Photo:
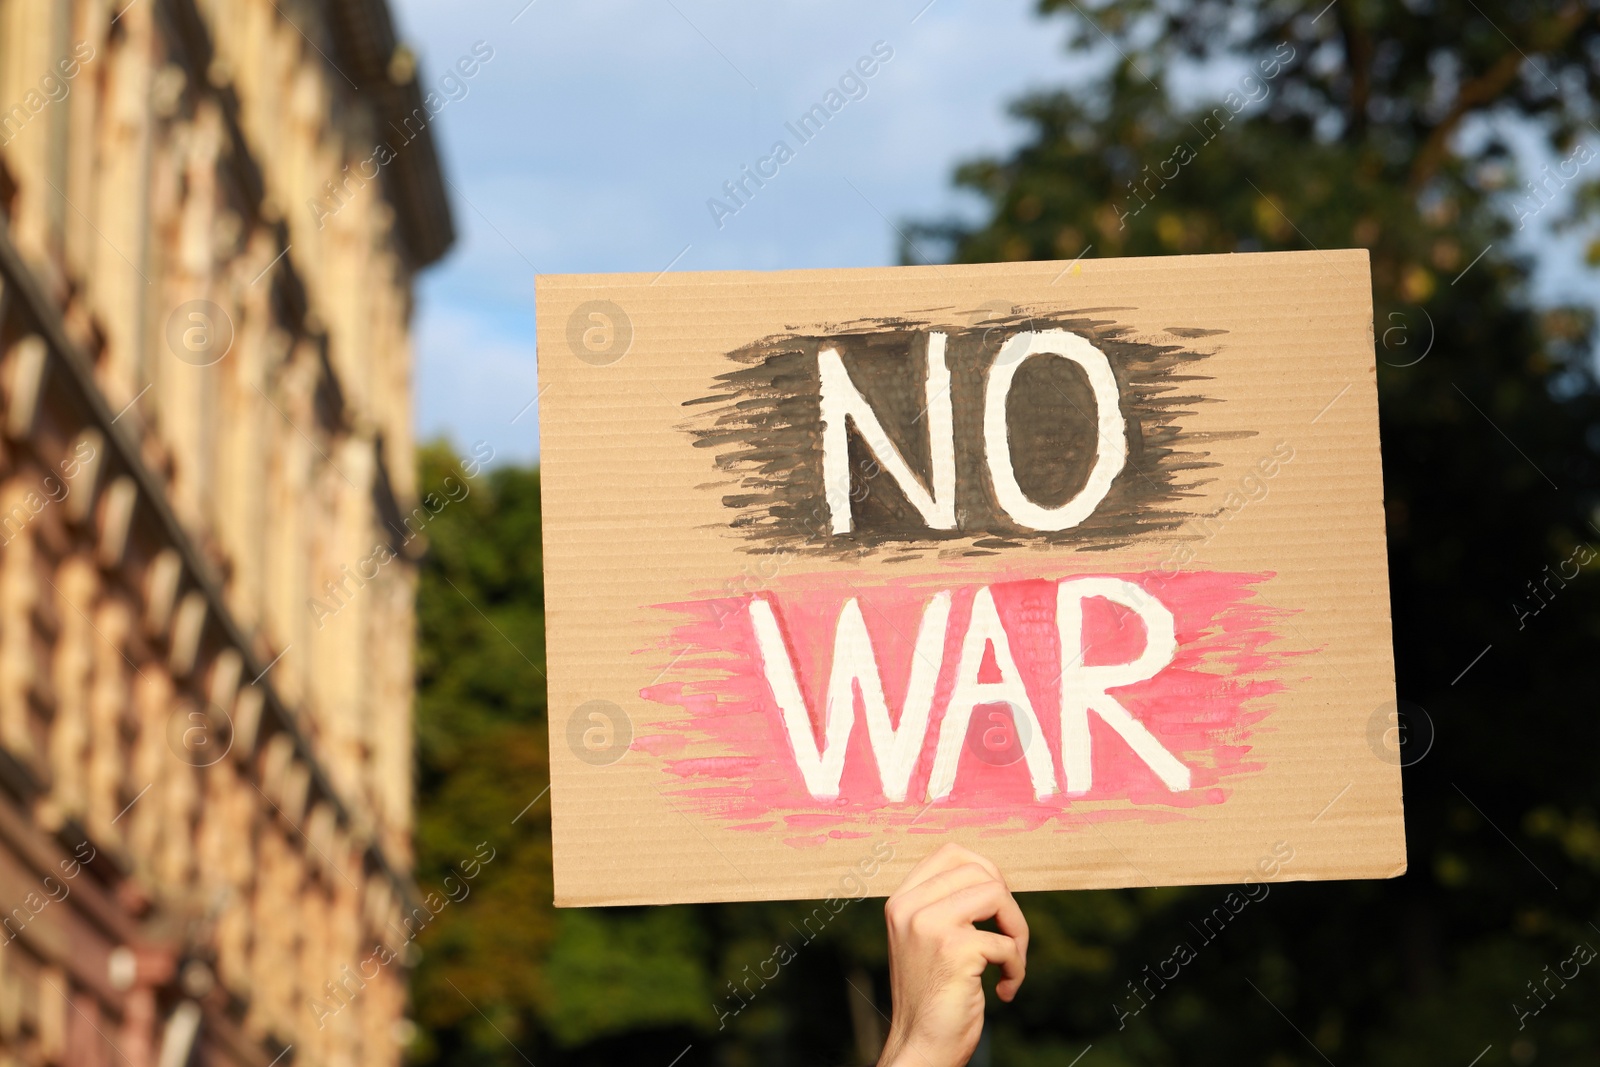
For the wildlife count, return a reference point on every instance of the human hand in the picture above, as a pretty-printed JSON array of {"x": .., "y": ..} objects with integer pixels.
[{"x": 937, "y": 956}]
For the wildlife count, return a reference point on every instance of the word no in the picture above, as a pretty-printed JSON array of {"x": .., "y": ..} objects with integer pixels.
[{"x": 842, "y": 403}]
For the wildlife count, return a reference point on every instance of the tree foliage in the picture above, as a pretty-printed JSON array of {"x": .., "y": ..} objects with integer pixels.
[
  {"x": 1389, "y": 126},
  {"x": 1393, "y": 127}
]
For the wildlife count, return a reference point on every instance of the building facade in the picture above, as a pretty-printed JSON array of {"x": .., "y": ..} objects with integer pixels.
[{"x": 205, "y": 479}]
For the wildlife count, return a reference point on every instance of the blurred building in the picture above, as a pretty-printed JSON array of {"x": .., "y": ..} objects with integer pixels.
[{"x": 205, "y": 476}]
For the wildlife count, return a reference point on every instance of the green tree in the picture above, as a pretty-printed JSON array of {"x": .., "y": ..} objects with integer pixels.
[
  {"x": 481, "y": 759},
  {"x": 1388, "y": 126}
]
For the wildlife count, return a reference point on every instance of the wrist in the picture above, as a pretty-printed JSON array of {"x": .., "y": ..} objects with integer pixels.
[
  {"x": 900, "y": 1050},
  {"x": 894, "y": 1050}
]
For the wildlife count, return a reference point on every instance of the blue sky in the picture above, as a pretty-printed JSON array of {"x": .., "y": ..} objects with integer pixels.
[{"x": 593, "y": 138}]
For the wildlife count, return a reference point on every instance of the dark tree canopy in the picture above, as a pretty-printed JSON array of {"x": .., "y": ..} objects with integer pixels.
[{"x": 1388, "y": 126}]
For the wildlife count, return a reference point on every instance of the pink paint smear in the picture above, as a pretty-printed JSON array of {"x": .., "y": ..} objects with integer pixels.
[{"x": 732, "y": 760}]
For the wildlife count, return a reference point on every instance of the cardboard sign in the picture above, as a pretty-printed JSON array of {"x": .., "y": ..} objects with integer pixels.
[{"x": 1080, "y": 565}]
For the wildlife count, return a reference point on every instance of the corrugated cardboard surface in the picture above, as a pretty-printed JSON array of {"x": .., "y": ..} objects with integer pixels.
[{"x": 634, "y": 517}]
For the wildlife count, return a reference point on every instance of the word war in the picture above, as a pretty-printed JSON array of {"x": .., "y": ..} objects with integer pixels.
[
  {"x": 1026, "y": 692},
  {"x": 1084, "y": 689}
]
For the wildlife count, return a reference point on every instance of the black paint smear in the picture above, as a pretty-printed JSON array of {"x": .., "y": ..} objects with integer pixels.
[{"x": 763, "y": 425}]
